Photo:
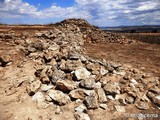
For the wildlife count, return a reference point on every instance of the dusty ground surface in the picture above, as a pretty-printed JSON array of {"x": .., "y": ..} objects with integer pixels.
[
  {"x": 17, "y": 105},
  {"x": 144, "y": 56}
]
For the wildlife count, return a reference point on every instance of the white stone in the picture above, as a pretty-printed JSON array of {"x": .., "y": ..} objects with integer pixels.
[
  {"x": 81, "y": 116},
  {"x": 134, "y": 81},
  {"x": 82, "y": 73},
  {"x": 80, "y": 108},
  {"x": 59, "y": 97},
  {"x": 103, "y": 71},
  {"x": 38, "y": 96},
  {"x": 46, "y": 87},
  {"x": 120, "y": 108}
]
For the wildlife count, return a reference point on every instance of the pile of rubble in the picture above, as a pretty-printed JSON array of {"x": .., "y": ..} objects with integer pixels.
[
  {"x": 64, "y": 75},
  {"x": 10, "y": 35},
  {"x": 93, "y": 34},
  {"x": 90, "y": 33}
]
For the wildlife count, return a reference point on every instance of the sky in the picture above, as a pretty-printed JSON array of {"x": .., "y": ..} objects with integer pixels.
[{"x": 96, "y": 12}]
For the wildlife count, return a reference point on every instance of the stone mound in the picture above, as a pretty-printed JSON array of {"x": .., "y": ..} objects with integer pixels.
[{"x": 94, "y": 34}]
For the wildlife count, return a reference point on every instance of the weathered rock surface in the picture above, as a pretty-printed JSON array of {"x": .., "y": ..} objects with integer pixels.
[
  {"x": 59, "y": 97},
  {"x": 112, "y": 88},
  {"x": 91, "y": 102},
  {"x": 88, "y": 83},
  {"x": 80, "y": 108},
  {"x": 81, "y": 116},
  {"x": 101, "y": 95},
  {"x": 82, "y": 73},
  {"x": 78, "y": 94},
  {"x": 65, "y": 85}
]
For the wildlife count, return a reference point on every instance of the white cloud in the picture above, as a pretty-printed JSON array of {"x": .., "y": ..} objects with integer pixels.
[
  {"x": 99, "y": 12},
  {"x": 148, "y": 5}
]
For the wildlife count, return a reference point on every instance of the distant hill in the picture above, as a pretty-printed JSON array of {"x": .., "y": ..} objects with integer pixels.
[{"x": 133, "y": 29}]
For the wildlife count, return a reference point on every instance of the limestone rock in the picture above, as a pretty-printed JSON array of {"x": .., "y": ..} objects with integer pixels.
[
  {"x": 103, "y": 71},
  {"x": 156, "y": 100},
  {"x": 88, "y": 83},
  {"x": 81, "y": 116},
  {"x": 103, "y": 106},
  {"x": 129, "y": 100},
  {"x": 38, "y": 96},
  {"x": 82, "y": 73},
  {"x": 40, "y": 100},
  {"x": 78, "y": 94},
  {"x": 45, "y": 87},
  {"x": 71, "y": 65},
  {"x": 58, "y": 110},
  {"x": 33, "y": 87},
  {"x": 120, "y": 108},
  {"x": 73, "y": 55},
  {"x": 80, "y": 108},
  {"x": 59, "y": 97},
  {"x": 57, "y": 75},
  {"x": 65, "y": 85},
  {"x": 112, "y": 88},
  {"x": 101, "y": 95},
  {"x": 91, "y": 102},
  {"x": 142, "y": 105}
]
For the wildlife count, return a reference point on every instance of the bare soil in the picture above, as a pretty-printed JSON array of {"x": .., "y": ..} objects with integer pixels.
[{"x": 143, "y": 56}]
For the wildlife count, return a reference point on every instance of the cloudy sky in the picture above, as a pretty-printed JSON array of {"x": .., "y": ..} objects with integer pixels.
[{"x": 97, "y": 12}]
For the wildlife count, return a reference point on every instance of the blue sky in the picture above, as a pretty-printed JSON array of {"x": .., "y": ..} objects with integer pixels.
[{"x": 97, "y": 12}]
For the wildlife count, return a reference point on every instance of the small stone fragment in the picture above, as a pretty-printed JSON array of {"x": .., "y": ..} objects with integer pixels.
[
  {"x": 103, "y": 71},
  {"x": 129, "y": 100},
  {"x": 81, "y": 116},
  {"x": 91, "y": 102},
  {"x": 80, "y": 108},
  {"x": 58, "y": 110},
  {"x": 120, "y": 108},
  {"x": 142, "y": 105},
  {"x": 103, "y": 106},
  {"x": 34, "y": 86},
  {"x": 46, "y": 87},
  {"x": 38, "y": 96},
  {"x": 101, "y": 95}
]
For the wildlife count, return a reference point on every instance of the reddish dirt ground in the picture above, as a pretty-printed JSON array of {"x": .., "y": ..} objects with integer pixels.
[{"x": 140, "y": 55}]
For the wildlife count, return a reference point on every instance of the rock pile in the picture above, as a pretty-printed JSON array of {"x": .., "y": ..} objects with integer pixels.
[
  {"x": 90, "y": 33},
  {"x": 64, "y": 75},
  {"x": 11, "y": 35},
  {"x": 7, "y": 35},
  {"x": 94, "y": 34}
]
